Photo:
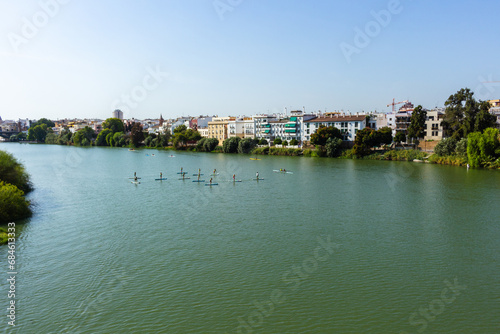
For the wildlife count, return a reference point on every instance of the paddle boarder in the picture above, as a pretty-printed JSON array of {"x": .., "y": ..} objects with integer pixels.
[
  {"x": 257, "y": 175},
  {"x": 234, "y": 177}
]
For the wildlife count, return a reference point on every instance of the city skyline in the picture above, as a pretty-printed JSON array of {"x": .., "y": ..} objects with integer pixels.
[{"x": 68, "y": 59}]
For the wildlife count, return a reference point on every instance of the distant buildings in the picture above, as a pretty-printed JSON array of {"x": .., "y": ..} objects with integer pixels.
[{"x": 118, "y": 114}]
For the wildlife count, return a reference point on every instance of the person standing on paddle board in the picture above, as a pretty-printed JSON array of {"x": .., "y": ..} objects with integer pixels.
[
  {"x": 161, "y": 175},
  {"x": 257, "y": 175},
  {"x": 234, "y": 177}
]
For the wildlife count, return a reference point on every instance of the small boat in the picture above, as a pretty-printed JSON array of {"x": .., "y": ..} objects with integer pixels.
[
  {"x": 254, "y": 159},
  {"x": 131, "y": 150},
  {"x": 162, "y": 179},
  {"x": 282, "y": 171}
]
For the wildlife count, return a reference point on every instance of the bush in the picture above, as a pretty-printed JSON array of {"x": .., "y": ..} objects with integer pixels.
[
  {"x": 261, "y": 150},
  {"x": 11, "y": 171},
  {"x": 230, "y": 145},
  {"x": 284, "y": 143},
  {"x": 333, "y": 147},
  {"x": 446, "y": 147},
  {"x": 294, "y": 142},
  {"x": 246, "y": 145},
  {"x": 13, "y": 205},
  {"x": 277, "y": 141},
  {"x": 263, "y": 141},
  {"x": 461, "y": 147},
  {"x": 51, "y": 138}
]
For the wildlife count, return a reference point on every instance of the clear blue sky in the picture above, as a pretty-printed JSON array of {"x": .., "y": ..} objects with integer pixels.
[{"x": 251, "y": 56}]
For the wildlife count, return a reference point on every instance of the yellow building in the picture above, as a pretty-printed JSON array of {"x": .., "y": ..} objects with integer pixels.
[
  {"x": 217, "y": 128},
  {"x": 494, "y": 103}
]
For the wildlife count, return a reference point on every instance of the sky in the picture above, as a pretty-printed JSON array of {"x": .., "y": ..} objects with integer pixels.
[{"x": 85, "y": 58}]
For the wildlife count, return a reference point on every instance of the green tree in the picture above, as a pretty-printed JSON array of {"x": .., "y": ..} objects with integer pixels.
[
  {"x": 294, "y": 142},
  {"x": 13, "y": 172},
  {"x": 473, "y": 149},
  {"x": 333, "y": 147},
  {"x": 114, "y": 124},
  {"x": 465, "y": 115},
  {"x": 400, "y": 137},
  {"x": 13, "y": 204},
  {"x": 277, "y": 141},
  {"x": 446, "y": 147},
  {"x": 65, "y": 137},
  {"x": 101, "y": 137},
  {"x": 246, "y": 145},
  {"x": 180, "y": 128},
  {"x": 45, "y": 121},
  {"x": 210, "y": 144},
  {"x": 136, "y": 134},
  {"x": 323, "y": 133},
  {"x": 83, "y": 137},
  {"x": 364, "y": 141},
  {"x": 263, "y": 141},
  {"x": 461, "y": 147},
  {"x": 385, "y": 134},
  {"x": 284, "y": 143},
  {"x": 416, "y": 130},
  {"x": 38, "y": 133},
  {"x": 118, "y": 139},
  {"x": 230, "y": 145},
  {"x": 51, "y": 138}
]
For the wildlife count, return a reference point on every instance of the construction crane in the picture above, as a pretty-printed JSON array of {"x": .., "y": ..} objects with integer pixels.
[{"x": 394, "y": 104}]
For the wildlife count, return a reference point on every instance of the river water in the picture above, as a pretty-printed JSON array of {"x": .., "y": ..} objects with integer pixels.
[{"x": 339, "y": 246}]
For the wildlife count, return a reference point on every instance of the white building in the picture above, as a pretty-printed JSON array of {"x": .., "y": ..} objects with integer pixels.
[
  {"x": 433, "y": 128},
  {"x": 241, "y": 127},
  {"x": 349, "y": 125}
]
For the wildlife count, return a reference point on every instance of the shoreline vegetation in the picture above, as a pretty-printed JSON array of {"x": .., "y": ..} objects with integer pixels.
[
  {"x": 14, "y": 185},
  {"x": 472, "y": 138}
]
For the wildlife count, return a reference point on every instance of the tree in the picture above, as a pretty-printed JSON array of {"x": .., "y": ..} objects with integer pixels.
[
  {"x": 13, "y": 172},
  {"x": 246, "y": 145},
  {"x": 38, "y": 133},
  {"x": 65, "y": 137},
  {"x": 263, "y": 141},
  {"x": 483, "y": 148},
  {"x": 114, "y": 124},
  {"x": 465, "y": 115},
  {"x": 13, "y": 204},
  {"x": 385, "y": 135},
  {"x": 51, "y": 138},
  {"x": 284, "y": 143},
  {"x": 230, "y": 145},
  {"x": 83, "y": 137},
  {"x": 294, "y": 142},
  {"x": 416, "y": 129},
  {"x": 446, "y": 147},
  {"x": 180, "y": 128},
  {"x": 323, "y": 133},
  {"x": 101, "y": 137},
  {"x": 45, "y": 121},
  {"x": 461, "y": 147},
  {"x": 364, "y": 141},
  {"x": 333, "y": 147},
  {"x": 210, "y": 144},
  {"x": 136, "y": 134},
  {"x": 400, "y": 137},
  {"x": 277, "y": 141}
]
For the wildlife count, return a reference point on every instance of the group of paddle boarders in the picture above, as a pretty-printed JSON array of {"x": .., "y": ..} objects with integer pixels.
[{"x": 257, "y": 176}]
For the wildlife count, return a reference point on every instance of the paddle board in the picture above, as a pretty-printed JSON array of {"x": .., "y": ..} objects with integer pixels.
[
  {"x": 162, "y": 179},
  {"x": 213, "y": 184}
]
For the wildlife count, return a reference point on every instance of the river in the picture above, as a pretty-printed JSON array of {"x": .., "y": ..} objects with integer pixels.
[{"x": 339, "y": 246}]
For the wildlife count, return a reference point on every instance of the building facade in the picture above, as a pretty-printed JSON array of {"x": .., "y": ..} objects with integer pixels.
[{"x": 349, "y": 125}]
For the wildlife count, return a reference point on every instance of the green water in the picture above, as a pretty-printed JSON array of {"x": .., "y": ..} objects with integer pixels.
[{"x": 339, "y": 246}]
